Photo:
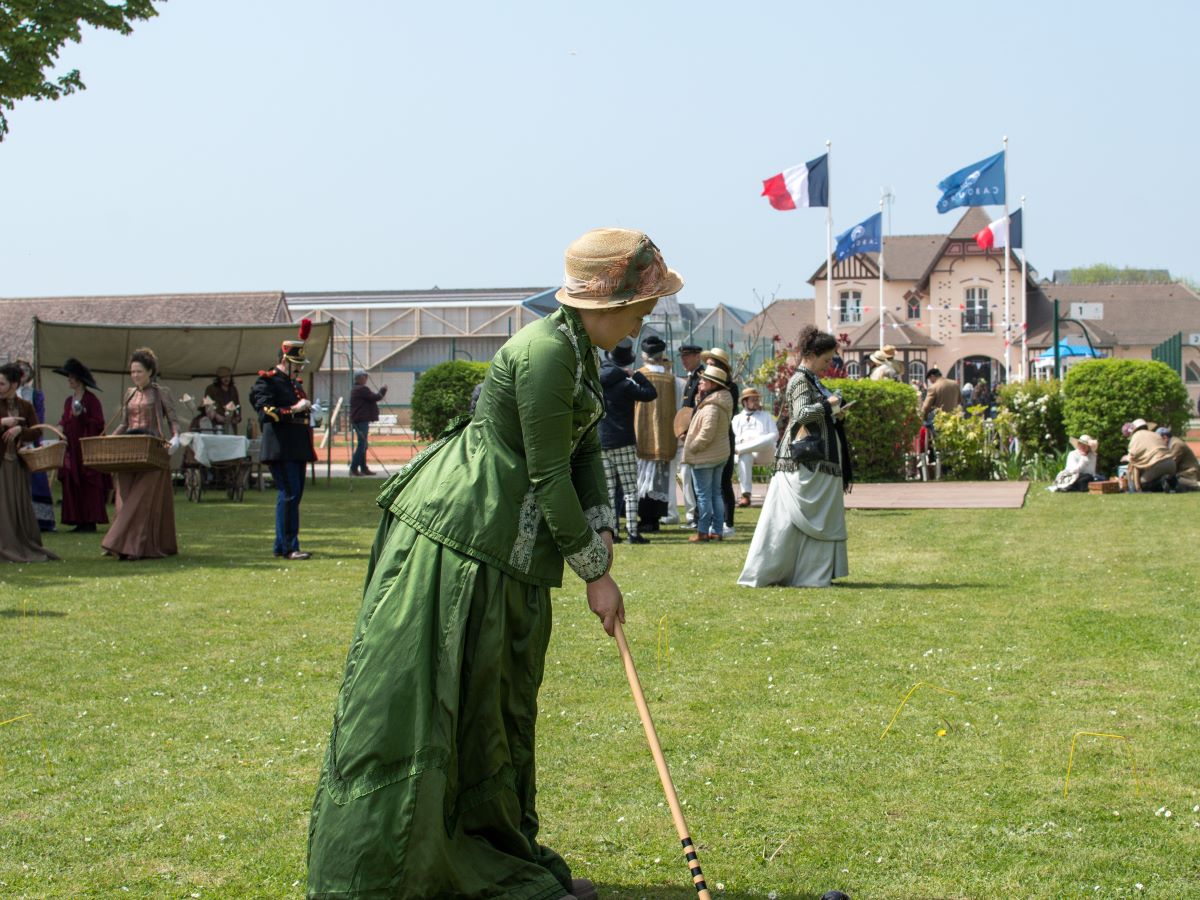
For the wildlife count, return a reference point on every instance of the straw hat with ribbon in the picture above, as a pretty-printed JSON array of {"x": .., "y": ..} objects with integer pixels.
[
  {"x": 716, "y": 356},
  {"x": 715, "y": 374},
  {"x": 750, "y": 392},
  {"x": 608, "y": 268}
]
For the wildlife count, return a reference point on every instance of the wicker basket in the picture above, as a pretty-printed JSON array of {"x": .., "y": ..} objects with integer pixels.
[
  {"x": 1104, "y": 487},
  {"x": 124, "y": 453},
  {"x": 47, "y": 457}
]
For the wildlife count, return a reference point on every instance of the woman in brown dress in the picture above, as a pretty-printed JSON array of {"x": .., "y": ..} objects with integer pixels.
[
  {"x": 20, "y": 538},
  {"x": 144, "y": 525}
]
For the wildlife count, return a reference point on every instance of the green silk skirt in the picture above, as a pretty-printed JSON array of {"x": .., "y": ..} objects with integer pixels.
[{"x": 428, "y": 787}]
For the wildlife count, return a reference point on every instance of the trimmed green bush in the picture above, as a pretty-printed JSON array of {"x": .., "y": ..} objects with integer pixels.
[
  {"x": 443, "y": 392},
  {"x": 1037, "y": 417},
  {"x": 1100, "y": 395},
  {"x": 881, "y": 427}
]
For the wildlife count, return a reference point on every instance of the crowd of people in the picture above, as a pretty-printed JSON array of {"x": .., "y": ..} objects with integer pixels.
[{"x": 143, "y": 524}]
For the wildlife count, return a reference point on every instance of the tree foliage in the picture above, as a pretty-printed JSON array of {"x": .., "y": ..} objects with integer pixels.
[
  {"x": 443, "y": 392},
  {"x": 1103, "y": 273},
  {"x": 32, "y": 32}
]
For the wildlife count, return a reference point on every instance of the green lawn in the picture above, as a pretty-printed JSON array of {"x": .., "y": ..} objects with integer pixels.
[{"x": 177, "y": 710}]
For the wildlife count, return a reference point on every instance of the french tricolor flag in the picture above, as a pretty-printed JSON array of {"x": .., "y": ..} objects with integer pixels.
[
  {"x": 1004, "y": 232},
  {"x": 805, "y": 185}
]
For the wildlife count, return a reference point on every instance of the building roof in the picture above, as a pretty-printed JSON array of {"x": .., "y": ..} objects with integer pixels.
[
  {"x": 433, "y": 297},
  {"x": 974, "y": 220},
  {"x": 1134, "y": 314},
  {"x": 17, "y": 313},
  {"x": 899, "y": 334},
  {"x": 783, "y": 320}
]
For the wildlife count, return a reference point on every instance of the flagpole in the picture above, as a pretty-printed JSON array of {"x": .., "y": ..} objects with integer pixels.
[
  {"x": 881, "y": 273},
  {"x": 1007, "y": 292},
  {"x": 828, "y": 246},
  {"x": 1024, "y": 289}
]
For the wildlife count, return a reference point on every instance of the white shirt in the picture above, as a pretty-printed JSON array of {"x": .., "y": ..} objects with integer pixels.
[{"x": 749, "y": 427}]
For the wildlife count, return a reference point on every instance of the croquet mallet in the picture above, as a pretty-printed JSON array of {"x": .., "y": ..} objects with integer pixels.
[{"x": 660, "y": 763}]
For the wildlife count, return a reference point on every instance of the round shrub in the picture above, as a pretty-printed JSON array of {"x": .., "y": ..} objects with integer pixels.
[
  {"x": 443, "y": 392},
  {"x": 880, "y": 427},
  {"x": 1100, "y": 395}
]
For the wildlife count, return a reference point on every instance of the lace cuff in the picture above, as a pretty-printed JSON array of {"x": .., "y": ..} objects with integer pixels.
[
  {"x": 601, "y": 517},
  {"x": 592, "y": 561}
]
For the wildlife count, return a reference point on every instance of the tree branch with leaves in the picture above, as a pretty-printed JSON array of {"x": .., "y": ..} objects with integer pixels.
[{"x": 32, "y": 32}]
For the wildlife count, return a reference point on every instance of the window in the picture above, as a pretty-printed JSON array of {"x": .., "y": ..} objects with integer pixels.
[
  {"x": 850, "y": 307},
  {"x": 916, "y": 371},
  {"x": 913, "y": 308},
  {"x": 853, "y": 369},
  {"x": 975, "y": 311},
  {"x": 1192, "y": 374}
]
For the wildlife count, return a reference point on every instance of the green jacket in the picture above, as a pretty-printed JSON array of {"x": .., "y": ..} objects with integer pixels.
[{"x": 521, "y": 486}]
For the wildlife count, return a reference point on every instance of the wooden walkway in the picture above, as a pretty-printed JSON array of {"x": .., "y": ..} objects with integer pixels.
[{"x": 939, "y": 495}]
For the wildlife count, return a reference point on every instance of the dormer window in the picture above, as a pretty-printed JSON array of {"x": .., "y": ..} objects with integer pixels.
[{"x": 912, "y": 307}]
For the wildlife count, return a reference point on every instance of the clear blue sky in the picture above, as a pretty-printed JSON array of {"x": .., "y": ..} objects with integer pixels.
[{"x": 264, "y": 144}]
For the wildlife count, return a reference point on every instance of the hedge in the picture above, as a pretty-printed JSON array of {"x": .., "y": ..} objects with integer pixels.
[
  {"x": 443, "y": 392},
  {"x": 1100, "y": 395},
  {"x": 880, "y": 428}
]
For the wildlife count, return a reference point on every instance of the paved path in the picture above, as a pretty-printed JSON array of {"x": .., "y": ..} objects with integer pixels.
[{"x": 939, "y": 495}]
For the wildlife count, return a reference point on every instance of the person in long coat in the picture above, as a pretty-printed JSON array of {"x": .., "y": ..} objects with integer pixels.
[
  {"x": 84, "y": 489},
  {"x": 20, "y": 537},
  {"x": 428, "y": 785},
  {"x": 800, "y": 538},
  {"x": 144, "y": 524}
]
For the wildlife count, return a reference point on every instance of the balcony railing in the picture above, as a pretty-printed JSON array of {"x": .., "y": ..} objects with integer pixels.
[{"x": 975, "y": 323}]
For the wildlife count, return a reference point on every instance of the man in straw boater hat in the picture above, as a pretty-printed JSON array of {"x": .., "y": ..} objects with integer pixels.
[
  {"x": 428, "y": 784},
  {"x": 754, "y": 436},
  {"x": 887, "y": 367},
  {"x": 287, "y": 437}
]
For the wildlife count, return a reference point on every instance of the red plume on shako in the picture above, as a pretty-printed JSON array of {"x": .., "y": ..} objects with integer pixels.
[{"x": 293, "y": 350}]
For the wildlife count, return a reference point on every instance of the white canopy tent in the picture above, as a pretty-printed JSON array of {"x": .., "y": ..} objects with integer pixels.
[{"x": 188, "y": 356}]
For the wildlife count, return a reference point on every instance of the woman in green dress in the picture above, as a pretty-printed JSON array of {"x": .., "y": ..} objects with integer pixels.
[{"x": 428, "y": 787}]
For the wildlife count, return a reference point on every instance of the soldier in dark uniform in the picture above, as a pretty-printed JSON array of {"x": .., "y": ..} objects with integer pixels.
[{"x": 287, "y": 438}]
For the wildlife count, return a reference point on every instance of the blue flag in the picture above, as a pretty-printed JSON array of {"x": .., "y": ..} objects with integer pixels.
[
  {"x": 862, "y": 238},
  {"x": 979, "y": 184}
]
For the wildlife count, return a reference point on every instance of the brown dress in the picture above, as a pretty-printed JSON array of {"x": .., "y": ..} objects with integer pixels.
[
  {"x": 144, "y": 524},
  {"x": 20, "y": 537}
]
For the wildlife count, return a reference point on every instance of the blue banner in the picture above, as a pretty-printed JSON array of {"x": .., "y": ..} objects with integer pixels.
[
  {"x": 862, "y": 238},
  {"x": 979, "y": 184}
]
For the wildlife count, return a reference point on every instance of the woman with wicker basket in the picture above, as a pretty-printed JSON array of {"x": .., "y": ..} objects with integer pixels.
[
  {"x": 20, "y": 538},
  {"x": 83, "y": 488},
  {"x": 144, "y": 526}
]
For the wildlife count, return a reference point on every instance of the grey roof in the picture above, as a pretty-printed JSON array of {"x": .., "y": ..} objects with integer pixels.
[
  {"x": 783, "y": 319},
  {"x": 17, "y": 313},
  {"x": 434, "y": 296},
  {"x": 1134, "y": 314},
  {"x": 974, "y": 220}
]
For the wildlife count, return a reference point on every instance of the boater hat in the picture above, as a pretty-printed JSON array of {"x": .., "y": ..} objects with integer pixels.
[
  {"x": 1087, "y": 439},
  {"x": 77, "y": 370},
  {"x": 751, "y": 392},
  {"x": 886, "y": 353},
  {"x": 718, "y": 356},
  {"x": 716, "y": 375},
  {"x": 608, "y": 268}
]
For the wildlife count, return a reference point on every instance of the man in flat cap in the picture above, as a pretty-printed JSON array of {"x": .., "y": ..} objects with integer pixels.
[
  {"x": 364, "y": 409},
  {"x": 692, "y": 360}
]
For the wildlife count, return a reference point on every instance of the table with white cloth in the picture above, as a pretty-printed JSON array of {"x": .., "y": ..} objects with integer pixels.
[{"x": 213, "y": 460}]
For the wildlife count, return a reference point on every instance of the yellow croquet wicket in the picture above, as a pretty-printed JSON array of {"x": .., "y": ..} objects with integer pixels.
[
  {"x": 911, "y": 691},
  {"x": 1116, "y": 737},
  {"x": 664, "y": 644}
]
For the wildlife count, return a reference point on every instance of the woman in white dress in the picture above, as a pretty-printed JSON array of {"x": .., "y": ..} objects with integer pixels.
[{"x": 800, "y": 539}]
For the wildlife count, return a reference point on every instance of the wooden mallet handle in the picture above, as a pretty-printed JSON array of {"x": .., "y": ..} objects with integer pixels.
[{"x": 660, "y": 763}]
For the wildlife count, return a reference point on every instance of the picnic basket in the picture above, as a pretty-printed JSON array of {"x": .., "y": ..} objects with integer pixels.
[
  {"x": 47, "y": 456},
  {"x": 124, "y": 453},
  {"x": 1104, "y": 487}
]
